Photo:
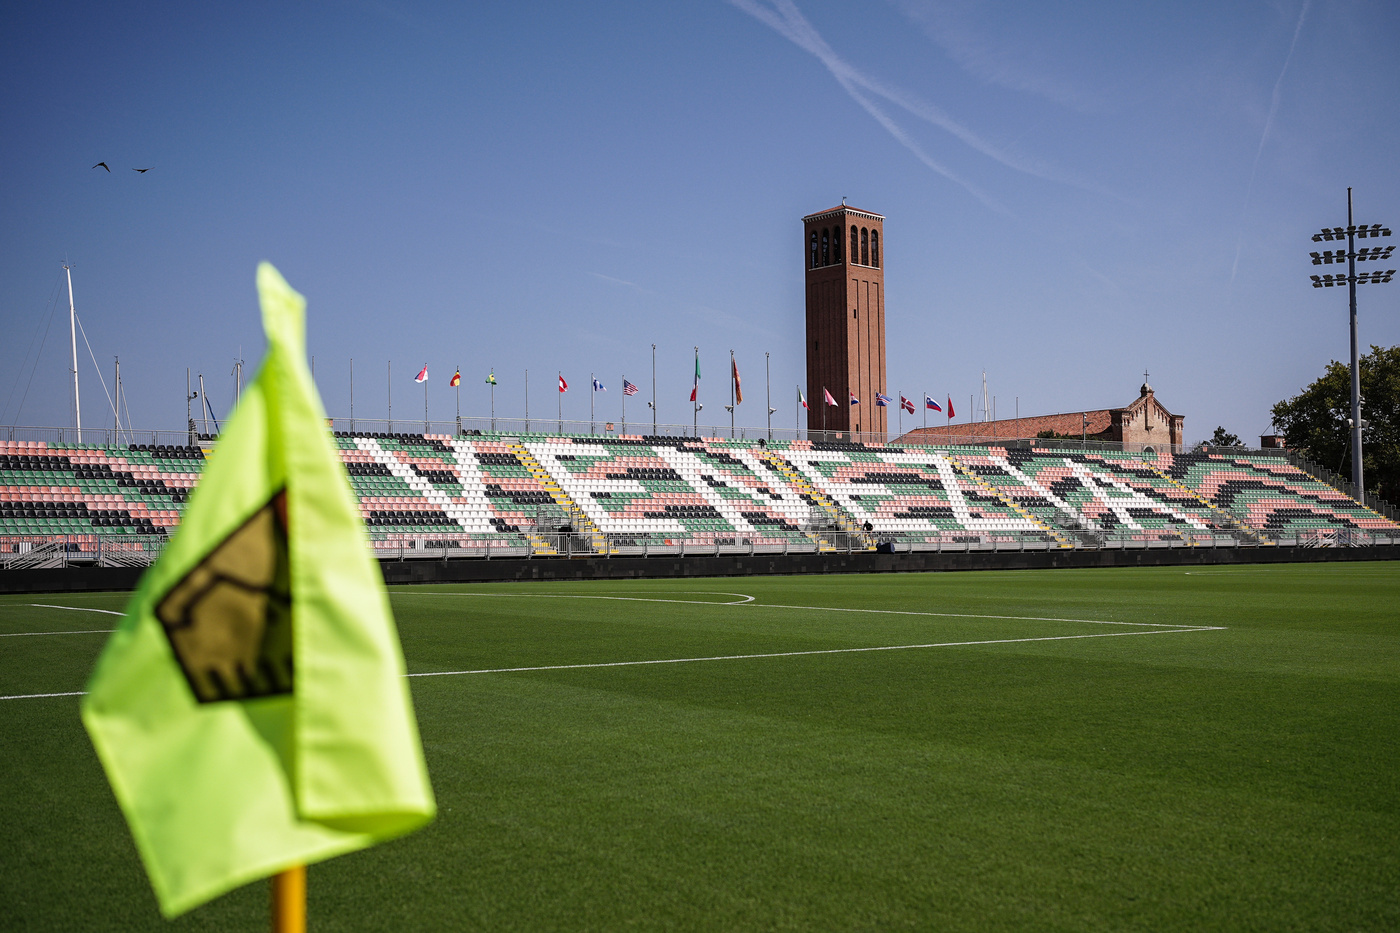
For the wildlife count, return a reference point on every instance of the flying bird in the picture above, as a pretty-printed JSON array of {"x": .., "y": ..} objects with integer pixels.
[
  {"x": 104, "y": 165},
  {"x": 142, "y": 169}
]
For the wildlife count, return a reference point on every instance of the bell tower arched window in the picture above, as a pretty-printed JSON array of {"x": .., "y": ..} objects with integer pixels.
[
  {"x": 826, "y": 247},
  {"x": 814, "y": 249},
  {"x": 864, "y": 246},
  {"x": 855, "y": 243},
  {"x": 836, "y": 245},
  {"x": 875, "y": 248}
]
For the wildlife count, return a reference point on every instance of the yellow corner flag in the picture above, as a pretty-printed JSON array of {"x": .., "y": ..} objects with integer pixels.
[{"x": 251, "y": 710}]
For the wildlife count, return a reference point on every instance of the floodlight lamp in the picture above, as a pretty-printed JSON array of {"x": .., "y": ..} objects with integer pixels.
[{"x": 1317, "y": 258}]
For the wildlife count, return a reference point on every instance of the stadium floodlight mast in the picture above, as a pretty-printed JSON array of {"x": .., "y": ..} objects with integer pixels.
[{"x": 1327, "y": 257}]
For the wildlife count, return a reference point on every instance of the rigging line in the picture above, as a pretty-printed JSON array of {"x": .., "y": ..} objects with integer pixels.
[
  {"x": 53, "y": 307},
  {"x": 125, "y": 401},
  {"x": 110, "y": 403}
]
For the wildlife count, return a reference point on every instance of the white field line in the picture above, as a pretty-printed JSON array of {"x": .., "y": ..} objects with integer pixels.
[
  {"x": 748, "y": 601},
  {"x": 109, "y": 612},
  {"x": 1158, "y": 628},
  {"x": 794, "y": 654},
  {"x": 91, "y": 631}
]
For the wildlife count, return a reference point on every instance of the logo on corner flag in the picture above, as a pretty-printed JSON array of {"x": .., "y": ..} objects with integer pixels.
[{"x": 229, "y": 620}]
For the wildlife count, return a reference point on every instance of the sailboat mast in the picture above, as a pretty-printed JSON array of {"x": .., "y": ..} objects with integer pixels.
[{"x": 73, "y": 340}]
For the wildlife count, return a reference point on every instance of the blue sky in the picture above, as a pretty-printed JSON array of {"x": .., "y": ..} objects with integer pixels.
[{"x": 1074, "y": 193}]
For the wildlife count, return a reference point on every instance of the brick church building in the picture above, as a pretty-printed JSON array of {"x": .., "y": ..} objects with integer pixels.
[
  {"x": 845, "y": 286},
  {"x": 1144, "y": 423}
]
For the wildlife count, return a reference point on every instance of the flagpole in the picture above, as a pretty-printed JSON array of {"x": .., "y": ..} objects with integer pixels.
[
  {"x": 493, "y": 399},
  {"x": 653, "y": 389},
  {"x": 695, "y": 403},
  {"x": 768, "y": 391},
  {"x": 901, "y": 412},
  {"x": 459, "y": 404},
  {"x": 527, "y": 401},
  {"x": 560, "y": 394},
  {"x": 592, "y": 396},
  {"x": 624, "y": 404},
  {"x": 352, "y": 395},
  {"x": 731, "y": 394},
  {"x": 797, "y": 417},
  {"x": 391, "y": 396},
  {"x": 926, "y": 409},
  {"x": 425, "y": 402},
  {"x": 289, "y": 900}
]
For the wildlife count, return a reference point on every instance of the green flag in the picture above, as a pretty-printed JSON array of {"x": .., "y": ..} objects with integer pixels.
[
  {"x": 251, "y": 710},
  {"x": 492, "y": 377}
]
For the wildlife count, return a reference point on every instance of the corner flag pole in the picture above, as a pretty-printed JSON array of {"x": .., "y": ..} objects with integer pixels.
[{"x": 289, "y": 900}]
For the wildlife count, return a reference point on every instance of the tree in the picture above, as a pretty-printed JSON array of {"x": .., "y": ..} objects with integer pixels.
[
  {"x": 1223, "y": 438},
  {"x": 1314, "y": 422}
]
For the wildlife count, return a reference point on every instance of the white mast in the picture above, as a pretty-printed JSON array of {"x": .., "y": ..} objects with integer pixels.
[
  {"x": 73, "y": 338},
  {"x": 986, "y": 412}
]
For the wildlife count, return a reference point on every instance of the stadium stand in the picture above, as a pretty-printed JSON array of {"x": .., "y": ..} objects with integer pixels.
[
  {"x": 541, "y": 494},
  {"x": 1273, "y": 496}
]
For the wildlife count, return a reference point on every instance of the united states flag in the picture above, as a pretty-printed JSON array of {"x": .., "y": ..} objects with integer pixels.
[{"x": 628, "y": 388}]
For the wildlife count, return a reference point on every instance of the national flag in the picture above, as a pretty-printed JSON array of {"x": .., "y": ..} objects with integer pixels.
[
  {"x": 563, "y": 386},
  {"x": 627, "y": 387},
  {"x": 491, "y": 378},
  {"x": 456, "y": 380},
  {"x": 422, "y": 374},
  {"x": 803, "y": 399},
  {"x": 251, "y": 710},
  {"x": 906, "y": 404},
  {"x": 931, "y": 405},
  {"x": 882, "y": 400},
  {"x": 828, "y": 399},
  {"x": 695, "y": 390},
  {"x": 951, "y": 413},
  {"x": 598, "y": 386},
  {"x": 738, "y": 389},
  {"x": 854, "y": 400}
]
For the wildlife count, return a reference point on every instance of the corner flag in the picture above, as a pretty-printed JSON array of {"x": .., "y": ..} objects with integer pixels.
[{"x": 251, "y": 710}]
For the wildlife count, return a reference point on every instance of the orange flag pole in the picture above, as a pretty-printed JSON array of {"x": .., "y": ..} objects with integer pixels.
[{"x": 289, "y": 900}]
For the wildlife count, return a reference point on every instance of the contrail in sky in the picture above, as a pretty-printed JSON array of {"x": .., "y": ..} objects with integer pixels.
[
  {"x": 1263, "y": 137},
  {"x": 787, "y": 20}
]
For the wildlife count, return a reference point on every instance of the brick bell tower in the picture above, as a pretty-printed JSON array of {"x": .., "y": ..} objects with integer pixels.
[{"x": 844, "y": 255}]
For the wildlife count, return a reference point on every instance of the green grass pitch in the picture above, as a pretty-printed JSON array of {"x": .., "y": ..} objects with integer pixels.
[{"x": 1157, "y": 749}]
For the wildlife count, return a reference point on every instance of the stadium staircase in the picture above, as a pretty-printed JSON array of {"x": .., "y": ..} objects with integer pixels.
[
  {"x": 833, "y": 512},
  {"x": 582, "y": 524},
  {"x": 1229, "y": 522},
  {"x": 1009, "y": 502}
]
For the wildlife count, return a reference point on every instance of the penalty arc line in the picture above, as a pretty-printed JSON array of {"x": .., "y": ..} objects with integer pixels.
[
  {"x": 737, "y": 657},
  {"x": 1169, "y": 626}
]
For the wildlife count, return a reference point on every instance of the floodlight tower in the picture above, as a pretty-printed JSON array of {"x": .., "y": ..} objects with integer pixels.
[{"x": 1351, "y": 255}]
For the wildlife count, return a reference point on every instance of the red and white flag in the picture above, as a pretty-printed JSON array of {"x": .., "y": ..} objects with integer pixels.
[
  {"x": 563, "y": 386},
  {"x": 829, "y": 400},
  {"x": 951, "y": 413},
  {"x": 906, "y": 404},
  {"x": 422, "y": 374},
  {"x": 803, "y": 399},
  {"x": 738, "y": 389}
]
